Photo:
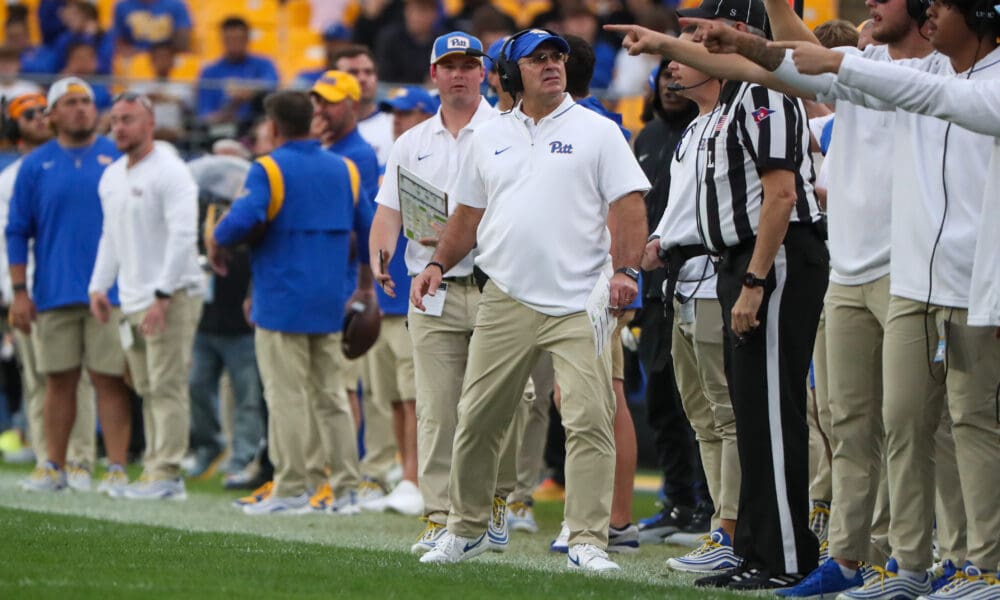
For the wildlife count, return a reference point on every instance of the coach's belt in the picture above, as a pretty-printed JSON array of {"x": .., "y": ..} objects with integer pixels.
[{"x": 463, "y": 280}]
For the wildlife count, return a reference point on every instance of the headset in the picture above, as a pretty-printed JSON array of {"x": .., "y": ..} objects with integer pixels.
[
  {"x": 676, "y": 87},
  {"x": 507, "y": 69}
]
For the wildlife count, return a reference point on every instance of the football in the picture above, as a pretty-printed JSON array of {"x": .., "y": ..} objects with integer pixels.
[{"x": 362, "y": 322}]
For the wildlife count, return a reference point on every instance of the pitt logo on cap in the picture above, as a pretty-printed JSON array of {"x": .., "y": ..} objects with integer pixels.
[
  {"x": 560, "y": 148},
  {"x": 458, "y": 42},
  {"x": 330, "y": 79}
]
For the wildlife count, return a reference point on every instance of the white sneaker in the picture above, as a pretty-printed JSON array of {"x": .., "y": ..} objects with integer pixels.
[
  {"x": 371, "y": 495},
  {"x": 156, "y": 489},
  {"x": 47, "y": 478},
  {"x": 78, "y": 477},
  {"x": 561, "y": 543},
  {"x": 452, "y": 548},
  {"x": 496, "y": 533},
  {"x": 345, "y": 504},
  {"x": 114, "y": 482},
  {"x": 714, "y": 555},
  {"x": 520, "y": 517},
  {"x": 429, "y": 537},
  {"x": 587, "y": 557},
  {"x": 275, "y": 505},
  {"x": 960, "y": 585},
  {"x": 406, "y": 499}
]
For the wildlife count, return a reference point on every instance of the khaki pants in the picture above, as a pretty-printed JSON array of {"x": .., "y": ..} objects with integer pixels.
[
  {"x": 855, "y": 321},
  {"x": 303, "y": 377},
  {"x": 821, "y": 484},
  {"x": 390, "y": 376},
  {"x": 701, "y": 379},
  {"x": 509, "y": 338},
  {"x": 533, "y": 426},
  {"x": 82, "y": 449},
  {"x": 912, "y": 414},
  {"x": 441, "y": 349},
  {"x": 159, "y": 367}
]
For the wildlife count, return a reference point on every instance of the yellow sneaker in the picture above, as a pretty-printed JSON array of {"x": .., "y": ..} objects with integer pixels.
[
  {"x": 258, "y": 495},
  {"x": 429, "y": 537},
  {"x": 322, "y": 499}
]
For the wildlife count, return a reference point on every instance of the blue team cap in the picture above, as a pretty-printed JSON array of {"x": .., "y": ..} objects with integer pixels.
[
  {"x": 494, "y": 51},
  {"x": 337, "y": 32},
  {"x": 456, "y": 42},
  {"x": 526, "y": 43},
  {"x": 411, "y": 97}
]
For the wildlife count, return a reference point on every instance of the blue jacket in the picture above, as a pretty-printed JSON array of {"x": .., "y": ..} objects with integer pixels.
[
  {"x": 354, "y": 147},
  {"x": 56, "y": 204},
  {"x": 211, "y": 91},
  {"x": 299, "y": 266},
  {"x": 401, "y": 277},
  {"x": 592, "y": 103}
]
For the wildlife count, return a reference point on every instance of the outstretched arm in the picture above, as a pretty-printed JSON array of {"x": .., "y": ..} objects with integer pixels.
[{"x": 786, "y": 26}]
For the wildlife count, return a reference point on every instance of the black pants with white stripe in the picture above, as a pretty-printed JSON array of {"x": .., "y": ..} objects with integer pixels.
[{"x": 767, "y": 371}]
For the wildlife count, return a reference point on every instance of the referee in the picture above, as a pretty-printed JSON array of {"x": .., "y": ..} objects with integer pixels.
[{"x": 757, "y": 212}]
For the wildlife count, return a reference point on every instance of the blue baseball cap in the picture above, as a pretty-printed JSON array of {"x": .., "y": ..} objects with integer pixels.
[
  {"x": 494, "y": 51},
  {"x": 337, "y": 32},
  {"x": 456, "y": 42},
  {"x": 526, "y": 43},
  {"x": 411, "y": 97}
]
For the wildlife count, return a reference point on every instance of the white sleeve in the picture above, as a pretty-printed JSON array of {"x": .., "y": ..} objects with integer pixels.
[
  {"x": 619, "y": 172},
  {"x": 825, "y": 87},
  {"x": 971, "y": 104},
  {"x": 7, "y": 178},
  {"x": 388, "y": 192},
  {"x": 106, "y": 264},
  {"x": 470, "y": 189},
  {"x": 178, "y": 196}
]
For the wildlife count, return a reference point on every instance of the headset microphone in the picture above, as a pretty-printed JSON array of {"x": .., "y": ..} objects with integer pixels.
[{"x": 676, "y": 87}]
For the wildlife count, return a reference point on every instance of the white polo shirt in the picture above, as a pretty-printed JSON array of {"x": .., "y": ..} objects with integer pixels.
[
  {"x": 546, "y": 188},
  {"x": 430, "y": 151},
  {"x": 923, "y": 202},
  {"x": 679, "y": 224},
  {"x": 973, "y": 105},
  {"x": 7, "y": 178},
  {"x": 376, "y": 128},
  {"x": 149, "y": 240}
]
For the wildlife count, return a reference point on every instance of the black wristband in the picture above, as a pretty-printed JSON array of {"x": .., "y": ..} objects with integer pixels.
[
  {"x": 435, "y": 263},
  {"x": 20, "y": 287},
  {"x": 161, "y": 295}
]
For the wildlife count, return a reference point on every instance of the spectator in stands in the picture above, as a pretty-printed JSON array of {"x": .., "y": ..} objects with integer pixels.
[
  {"x": 173, "y": 101},
  {"x": 486, "y": 22},
  {"x": 376, "y": 15},
  {"x": 139, "y": 24},
  {"x": 81, "y": 61},
  {"x": 580, "y": 21},
  {"x": 409, "y": 106},
  {"x": 335, "y": 38},
  {"x": 400, "y": 48},
  {"x": 50, "y": 20},
  {"x": 228, "y": 86},
  {"x": 83, "y": 26},
  {"x": 34, "y": 59},
  {"x": 12, "y": 86}
]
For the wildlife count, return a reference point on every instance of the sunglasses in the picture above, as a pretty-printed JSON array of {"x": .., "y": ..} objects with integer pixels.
[
  {"x": 30, "y": 113},
  {"x": 134, "y": 97},
  {"x": 542, "y": 58}
]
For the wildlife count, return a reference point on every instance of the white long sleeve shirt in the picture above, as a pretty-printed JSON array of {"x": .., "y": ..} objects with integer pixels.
[
  {"x": 939, "y": 173},
  {"x": 150, "y": 235},
  {"x": 7, "y": 178},
  {"x": 972, "y": 104}
]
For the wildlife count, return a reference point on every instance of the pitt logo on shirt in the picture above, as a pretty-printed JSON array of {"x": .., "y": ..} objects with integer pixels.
[{"x": 560, "y": 148}]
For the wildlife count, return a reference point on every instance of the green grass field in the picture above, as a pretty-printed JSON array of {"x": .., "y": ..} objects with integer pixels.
[{"x": 76, "y": 545}]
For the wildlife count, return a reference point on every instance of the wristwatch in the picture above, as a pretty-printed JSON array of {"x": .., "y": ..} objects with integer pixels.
[
  {"x": 751, "y": 280},
  {"x": 630, "y": 271}
]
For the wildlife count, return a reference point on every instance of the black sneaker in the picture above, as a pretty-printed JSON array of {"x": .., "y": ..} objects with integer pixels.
[
  {"x": 670, "y": 520},
  {"x": 701, "y": 519},
  {"x": 754, "y": 579},
  {"x": 719, "y": 580}
]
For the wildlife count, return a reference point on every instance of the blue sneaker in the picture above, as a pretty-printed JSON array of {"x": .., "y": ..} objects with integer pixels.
[
  {"x": 823, "y": 584},
  {"x": 714, "y": 554},
  {"x": 961, "y": 584},
  {"x": 942, "y": 573},
  {"x": 887, "y": 584},
  {"x": 497, "y": 533}
]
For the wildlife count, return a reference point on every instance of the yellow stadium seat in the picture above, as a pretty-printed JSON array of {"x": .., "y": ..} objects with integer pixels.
[
  {"x": 631, "y": 111},
  {"x": 186, "y": 67},
  {"x": 265, "y": 42},
  {"x": 106, "y": 13},
  {"x": 259, "y": 13},
  {"x": 298, "y": 12}
]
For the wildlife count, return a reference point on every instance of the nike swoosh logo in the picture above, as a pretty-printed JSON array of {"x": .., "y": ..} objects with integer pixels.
[
  {"x": 643, "y": 157},
  {"x": 575, "y": 561},
  {"x": 424, "y": 156},
  {"x": 501, "y": 151},
  {"x": 475, "y": 544}
]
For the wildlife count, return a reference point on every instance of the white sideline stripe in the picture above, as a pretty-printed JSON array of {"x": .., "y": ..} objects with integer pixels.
[
  {"x": 209, "y": 513},
  {"x": 774, "y": 413}
]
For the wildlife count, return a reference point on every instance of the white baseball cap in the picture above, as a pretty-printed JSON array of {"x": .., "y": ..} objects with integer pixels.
[{"x": 68, "y": 85}]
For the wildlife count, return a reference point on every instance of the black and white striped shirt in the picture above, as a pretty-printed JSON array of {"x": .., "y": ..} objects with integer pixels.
[{"x": 753, "y": 131}]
